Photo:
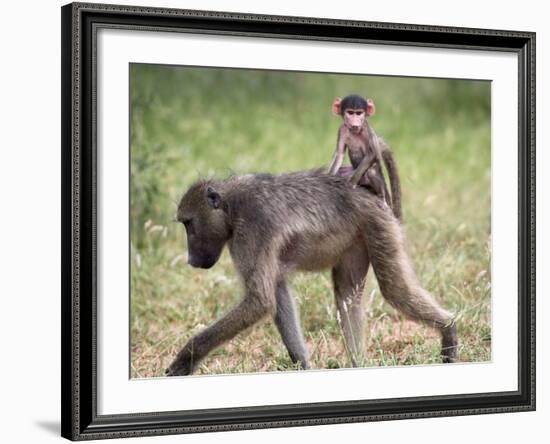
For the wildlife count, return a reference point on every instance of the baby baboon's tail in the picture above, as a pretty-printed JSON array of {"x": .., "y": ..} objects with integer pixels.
[{"x": 395, "y": 184}]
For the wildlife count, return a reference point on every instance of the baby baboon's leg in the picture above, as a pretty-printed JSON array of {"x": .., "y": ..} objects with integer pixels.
[
  {"x": 399, "y": 284},
  {"x": 288, "y": 324},
  {"x": 378, "y": 184},
  {"x": 349, "y": 277}
]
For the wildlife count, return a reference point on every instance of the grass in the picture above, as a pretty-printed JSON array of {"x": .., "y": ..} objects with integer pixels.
[{"x": 188, "y": 123}]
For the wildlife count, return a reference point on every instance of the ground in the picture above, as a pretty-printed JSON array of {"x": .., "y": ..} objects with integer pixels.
[{"x": 188, "y": 124}]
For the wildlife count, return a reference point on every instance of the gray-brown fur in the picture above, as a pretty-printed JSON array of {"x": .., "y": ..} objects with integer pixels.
[{"x": 309, "y": 220}]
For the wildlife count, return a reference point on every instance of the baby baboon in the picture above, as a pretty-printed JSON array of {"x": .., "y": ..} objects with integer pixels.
[
  {"x": 300, "y": 221},
  {"x": 366, "y": 151}
]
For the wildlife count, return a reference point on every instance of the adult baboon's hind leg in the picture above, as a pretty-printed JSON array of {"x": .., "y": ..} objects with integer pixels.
[
  {"x": 419, "y": 305},
  {"x": 399, "y": 284},
  {"x": 348, "y": 277}
]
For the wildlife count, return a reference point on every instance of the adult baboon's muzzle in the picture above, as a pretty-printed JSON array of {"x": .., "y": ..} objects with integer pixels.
[{"x": 201, "y": 261}]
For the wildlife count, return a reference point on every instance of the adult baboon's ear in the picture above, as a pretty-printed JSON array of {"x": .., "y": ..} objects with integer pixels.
[{"x": 214, "y": 198}]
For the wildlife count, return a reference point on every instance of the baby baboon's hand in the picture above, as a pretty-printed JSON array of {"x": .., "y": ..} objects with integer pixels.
[{"x": 354, "y": 180}]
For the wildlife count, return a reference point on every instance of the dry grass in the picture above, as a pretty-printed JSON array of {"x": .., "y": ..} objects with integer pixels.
[{"x": 284, "y": 123}]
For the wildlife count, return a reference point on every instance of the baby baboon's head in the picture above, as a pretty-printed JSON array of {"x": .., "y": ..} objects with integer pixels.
[{"x": 201, "y": 211}]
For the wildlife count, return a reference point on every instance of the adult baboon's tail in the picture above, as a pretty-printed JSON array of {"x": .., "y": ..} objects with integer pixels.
[
  {"x": 395, "y": 183},
  {"x": 397, "y": 279}
]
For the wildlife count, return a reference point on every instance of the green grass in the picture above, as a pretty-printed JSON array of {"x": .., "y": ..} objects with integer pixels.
[{"x": 188, "y": 124}]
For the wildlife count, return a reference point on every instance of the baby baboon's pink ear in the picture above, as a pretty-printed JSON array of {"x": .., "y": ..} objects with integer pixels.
[
  {"x": 371, "y": 109},
  {"x": 336, "y": 106}
]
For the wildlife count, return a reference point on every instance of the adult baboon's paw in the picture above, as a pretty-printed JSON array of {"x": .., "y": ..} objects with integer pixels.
[
  {"x": 449, "y": 354},
  {"x": 178, "y": 369},
  {"x": 449, "y": 344},
  {"x": 184, "y": 364}
]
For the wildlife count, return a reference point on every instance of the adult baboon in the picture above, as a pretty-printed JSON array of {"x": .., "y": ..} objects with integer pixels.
[{"x": 307, "y": 221}]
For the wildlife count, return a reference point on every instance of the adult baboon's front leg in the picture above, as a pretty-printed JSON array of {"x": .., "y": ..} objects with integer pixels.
[
  {"x": 349, "y": 277},
  {"x": 249, "y": 311},
  {"x": 288, "y": 324}
]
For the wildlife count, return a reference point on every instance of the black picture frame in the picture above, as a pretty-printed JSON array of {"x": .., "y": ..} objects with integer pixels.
[{"x": 79, "y": 170}]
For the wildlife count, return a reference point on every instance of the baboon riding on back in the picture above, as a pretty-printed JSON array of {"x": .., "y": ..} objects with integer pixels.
[{"x": 309, "y": 221}]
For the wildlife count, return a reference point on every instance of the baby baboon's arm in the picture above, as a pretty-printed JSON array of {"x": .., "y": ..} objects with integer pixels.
[
  {"x": 338, "y": 158},
  {"x": 368, "y": 161}
]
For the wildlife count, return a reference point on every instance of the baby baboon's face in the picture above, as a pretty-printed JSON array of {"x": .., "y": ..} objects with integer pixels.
[{"x": 200, "y": 211}]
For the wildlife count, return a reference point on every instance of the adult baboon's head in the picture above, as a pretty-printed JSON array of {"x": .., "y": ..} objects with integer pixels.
[{"x": 201, "y": 211}]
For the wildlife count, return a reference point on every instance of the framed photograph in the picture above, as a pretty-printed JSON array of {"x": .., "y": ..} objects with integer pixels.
[{"x": 275, "y": 221}]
